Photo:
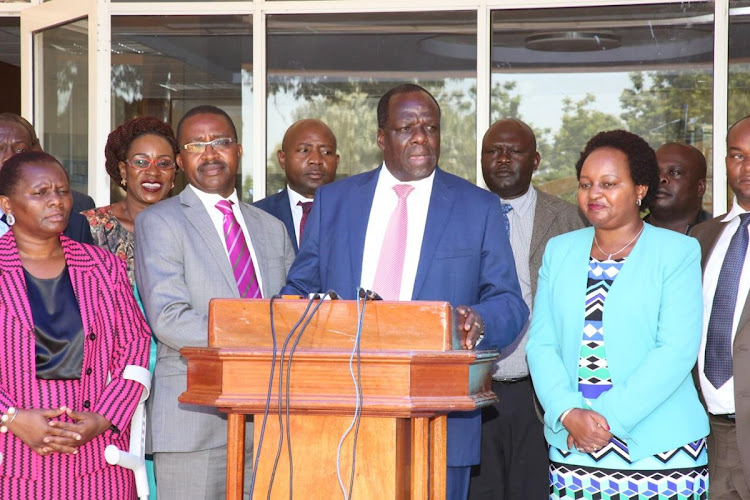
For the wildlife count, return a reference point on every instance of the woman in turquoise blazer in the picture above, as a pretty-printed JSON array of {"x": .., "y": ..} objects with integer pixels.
[{"x": 615, "y": 334}]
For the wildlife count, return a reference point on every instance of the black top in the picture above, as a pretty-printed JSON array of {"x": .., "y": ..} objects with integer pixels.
[{"x": 57, "y": 327}]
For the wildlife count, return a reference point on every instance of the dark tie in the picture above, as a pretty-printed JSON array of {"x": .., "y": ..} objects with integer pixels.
[
  {"x": 4, "y": 220},
  {"x": 718, "y": 360},
  {"x": 239, "y": 253},
  {"x": 506, "y": 208},
  {"x": 306, "y": 207}
]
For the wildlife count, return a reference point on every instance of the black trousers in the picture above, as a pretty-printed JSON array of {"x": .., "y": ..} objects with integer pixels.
[{"x": 514, "y": 461}]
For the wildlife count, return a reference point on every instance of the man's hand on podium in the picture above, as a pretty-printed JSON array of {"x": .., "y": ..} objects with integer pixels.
[{"x": 470, "y": 325}]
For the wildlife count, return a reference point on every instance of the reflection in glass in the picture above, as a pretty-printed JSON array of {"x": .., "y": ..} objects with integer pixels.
[
  {"x": 573, "y": 72},
  {"x": 336, "y": 68},
  {"x": 63, "y": 54},
  {"x": 165, "y": 65},
  {"x": 738, "y": 98},
  {"x": 10, "y": 64}
]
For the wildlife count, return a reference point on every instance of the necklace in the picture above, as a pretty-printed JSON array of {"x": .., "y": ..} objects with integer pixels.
[{"x": 609, "y": 256}]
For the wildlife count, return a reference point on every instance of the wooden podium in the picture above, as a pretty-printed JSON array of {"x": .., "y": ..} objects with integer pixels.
[{"x": 412, "y": 373}]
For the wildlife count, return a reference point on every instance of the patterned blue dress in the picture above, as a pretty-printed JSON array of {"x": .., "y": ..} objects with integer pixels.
[{"x": 610, "y": 474}]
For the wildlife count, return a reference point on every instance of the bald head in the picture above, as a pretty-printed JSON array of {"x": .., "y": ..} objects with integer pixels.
[
  {"x": 509, "y": 157},
  {"x": 308, "y": 156},
  {"x": 682, "y": 182}
]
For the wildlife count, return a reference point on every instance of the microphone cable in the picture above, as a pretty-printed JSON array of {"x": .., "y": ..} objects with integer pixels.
[
  {"x": 362, "y": 297},
  {"x": 281, "y": 376},
  {"x": 288, "y": 382},
  {"x": 268, "y": 401}
]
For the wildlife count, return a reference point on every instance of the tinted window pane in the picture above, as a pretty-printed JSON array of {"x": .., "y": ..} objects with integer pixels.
[
  {"x": 336, "y": 68},
  {"x": 165, "y": 65},
  {"x": 573, "y": 72}
]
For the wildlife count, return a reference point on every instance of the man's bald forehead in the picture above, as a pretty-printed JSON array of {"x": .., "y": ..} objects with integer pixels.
[
  {"x": 511, "y": 124},
  {"x": 305, "y": 124},
  {"x": 690, "y": 153}
]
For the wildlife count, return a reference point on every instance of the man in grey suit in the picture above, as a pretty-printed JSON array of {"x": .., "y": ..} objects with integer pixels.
[
  {"x": 514, "y": 463},
  {"x": 724, "y": 358},
  {"x": 182, "y": 262}
]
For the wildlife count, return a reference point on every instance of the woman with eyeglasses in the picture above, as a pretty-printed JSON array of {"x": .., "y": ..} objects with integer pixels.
[
  {"x": 140, "y": 157},
  {"x": 69, "y": 329}
]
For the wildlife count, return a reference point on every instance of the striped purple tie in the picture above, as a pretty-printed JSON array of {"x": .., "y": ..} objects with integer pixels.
[{"x": 239, "y": 254}]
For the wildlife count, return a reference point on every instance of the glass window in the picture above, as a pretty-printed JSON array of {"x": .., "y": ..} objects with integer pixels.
[
  {"x": 61, "y": 54},
  {"x": 572, "y": 72},
  {"x": 10, "y": 64},
  {"x": 165, "y": 65},
  {"x": 738, "y": 98},
  {"x": 335, "y": 67}
]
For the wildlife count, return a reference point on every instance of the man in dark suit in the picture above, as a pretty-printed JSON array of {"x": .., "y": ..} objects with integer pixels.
[
  {"x": 682, "y": 183},
  {"x": 514, "y": 463},
  {"x": 724, "y": 357},
  {"x": 410, "y": 231},
  {"x": 309, "y": 160},
  {"x": 17, "y": 136},
  {"x": 191, "y": 248}
]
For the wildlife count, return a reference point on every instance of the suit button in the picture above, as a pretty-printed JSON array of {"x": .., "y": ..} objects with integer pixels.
[
  {"x": 88, "y": 371},
  {"x": 86, "y": 404},
  {"x": 92, "y": 336}
]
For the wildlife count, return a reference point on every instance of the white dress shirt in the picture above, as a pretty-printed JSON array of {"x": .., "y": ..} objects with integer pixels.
[
  {"x": 512, "y": 362},
  {"x": 383, "y": 204},
  {"x": 209, "y": 201},
  {"x": 294, "y": 198},
  {"x": 721, "y": 401}
]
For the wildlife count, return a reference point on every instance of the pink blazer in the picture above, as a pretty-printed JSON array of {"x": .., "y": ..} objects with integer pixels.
[{"x": 116, "y": 336}]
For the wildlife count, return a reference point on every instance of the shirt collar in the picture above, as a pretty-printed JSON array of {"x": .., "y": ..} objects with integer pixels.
[
  {"x": 388, "y": 180},
  {"x": 736, "y": 211},
  {"x": 295, "y": 197},
  {"x": 523, "y": 203},
  {"x": 211, "y": 199}
]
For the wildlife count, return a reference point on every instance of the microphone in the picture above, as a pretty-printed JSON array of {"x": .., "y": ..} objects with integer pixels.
[{"x": 368, "y": 294}]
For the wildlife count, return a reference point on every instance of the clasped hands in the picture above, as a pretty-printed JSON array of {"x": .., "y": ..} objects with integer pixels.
[
  {"x": 40, "y": 431},
  {"x": 471, "y": 325},
  {"x": 588, "y": 431}
]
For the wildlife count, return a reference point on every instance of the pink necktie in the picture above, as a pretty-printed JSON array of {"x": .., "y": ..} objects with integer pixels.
[
  {"x": 239, "y": 253},
  {"x": 306, "y": 207},
  {"x": 391, "y": 263}
]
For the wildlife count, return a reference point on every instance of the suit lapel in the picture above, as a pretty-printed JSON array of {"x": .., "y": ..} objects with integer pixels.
[
  {"x": 361, "y": 197},
  {"x": 286, "y": 217},
  {"x": 442, "y": 199},
  {"x": 544, "y": 216},
  {"x": 13, "y": 284},
  {"x": 198, "y": 217},
  {"x": 79, "y": 269},
  {"x": 259, "y": 239}
]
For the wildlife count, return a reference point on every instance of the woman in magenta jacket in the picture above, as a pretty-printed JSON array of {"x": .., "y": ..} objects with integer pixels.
[{"x": 69, "y": 327}]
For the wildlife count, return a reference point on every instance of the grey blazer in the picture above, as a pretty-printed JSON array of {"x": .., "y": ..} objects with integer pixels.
[
  {"x": 552, "y": 217},
  {"x": 180, "y": 265}
]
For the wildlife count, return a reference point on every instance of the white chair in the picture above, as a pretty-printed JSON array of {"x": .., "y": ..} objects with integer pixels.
[{"x": 134, "y": 459}]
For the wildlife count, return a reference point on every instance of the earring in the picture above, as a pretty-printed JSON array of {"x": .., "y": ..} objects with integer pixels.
[
  {"x": 638, "y": 202},
  {"x": 10, "y": 219},
  {"x": 124, "y": 183}
]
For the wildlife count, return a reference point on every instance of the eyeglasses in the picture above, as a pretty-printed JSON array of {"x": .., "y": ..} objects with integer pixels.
[
  {"x": 144, "y": 163},
  {"x": 221, "y": 143}
]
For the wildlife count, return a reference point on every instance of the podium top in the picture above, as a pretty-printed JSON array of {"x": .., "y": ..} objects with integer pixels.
[{"x": 412, "y": 326}]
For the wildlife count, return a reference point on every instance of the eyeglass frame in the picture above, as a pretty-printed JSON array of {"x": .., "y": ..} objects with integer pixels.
[
  {"x": 222, "y": 143},
  {"x": 151, "y": 163}
]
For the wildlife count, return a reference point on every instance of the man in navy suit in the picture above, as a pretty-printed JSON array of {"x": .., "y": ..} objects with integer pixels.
[
  {"x": 309, "y": 160},
  {"x": 455, "y": 249}
]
